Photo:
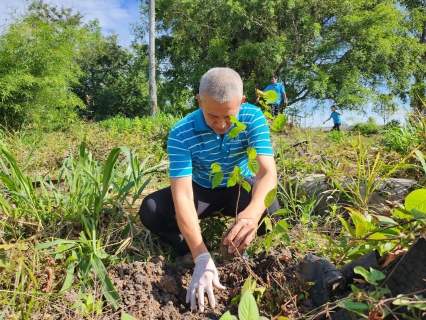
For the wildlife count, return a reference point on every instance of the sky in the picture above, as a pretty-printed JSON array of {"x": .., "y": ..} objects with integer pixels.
[{"x": 113, "y": 15}]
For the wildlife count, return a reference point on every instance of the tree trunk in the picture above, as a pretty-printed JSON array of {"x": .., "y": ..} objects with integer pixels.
[{"x": 152, "y": 83}]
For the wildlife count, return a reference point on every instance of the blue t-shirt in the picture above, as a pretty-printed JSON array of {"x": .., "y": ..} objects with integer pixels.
[
  {"x": 193, "y": 146},
  {"x": 279, "y": 88},
  {"x": 336, "y": 117}
]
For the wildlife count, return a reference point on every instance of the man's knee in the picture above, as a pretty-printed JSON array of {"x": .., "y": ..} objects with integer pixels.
[{"x": 147, "y": 211}]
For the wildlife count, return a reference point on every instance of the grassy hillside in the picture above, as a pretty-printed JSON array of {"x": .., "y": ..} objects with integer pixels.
[{"x": 69, "y": 202}]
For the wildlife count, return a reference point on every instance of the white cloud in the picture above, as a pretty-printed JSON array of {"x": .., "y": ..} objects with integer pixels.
[{"x": 113, "y": 15}]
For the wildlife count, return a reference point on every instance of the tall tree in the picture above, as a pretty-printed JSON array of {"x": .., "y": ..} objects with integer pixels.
[
  {"x": 152, "y": 82},
  {"x": 37, "y": 67},
  {"x": 114, "y": 80},
  {"x": 344, "y": 50}
]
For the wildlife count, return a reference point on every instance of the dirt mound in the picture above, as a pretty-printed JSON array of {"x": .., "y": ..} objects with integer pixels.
[{"x": 157, "y": 289}]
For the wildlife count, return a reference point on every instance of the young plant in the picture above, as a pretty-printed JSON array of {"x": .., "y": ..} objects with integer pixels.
[
  {"x": 277, "y": 230},
  {"x": 247, "y": 309}
]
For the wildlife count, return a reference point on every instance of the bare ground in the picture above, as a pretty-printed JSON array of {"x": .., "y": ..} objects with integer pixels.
[{"x": 157, "y": 289}]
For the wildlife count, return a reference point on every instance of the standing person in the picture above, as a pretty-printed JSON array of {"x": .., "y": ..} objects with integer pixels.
[
  {"x": 335, "y": 115},
  {"x": 279, "y": 88},
  {"x": 194, "y": 144}
]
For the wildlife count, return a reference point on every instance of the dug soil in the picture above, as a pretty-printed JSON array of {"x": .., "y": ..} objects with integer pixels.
[{"x": 157, "y": 289}]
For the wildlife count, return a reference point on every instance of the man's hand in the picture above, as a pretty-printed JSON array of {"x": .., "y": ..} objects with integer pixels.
[
  {"x": 204, "y": 277},
  {"x": 240, "y": 235}
]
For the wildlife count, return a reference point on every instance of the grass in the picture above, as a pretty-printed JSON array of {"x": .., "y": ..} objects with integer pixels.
[{"x": 71, "y": 198}]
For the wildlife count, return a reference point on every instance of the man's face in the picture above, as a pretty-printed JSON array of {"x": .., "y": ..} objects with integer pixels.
[
  {"x": 217, "y": 115},
  {"x": 273, "y": 80}
]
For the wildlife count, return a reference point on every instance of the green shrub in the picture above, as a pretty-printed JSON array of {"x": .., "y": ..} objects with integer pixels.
[
  {"x": 371, "y": 127},
  {"x": 401, "y": 139}
]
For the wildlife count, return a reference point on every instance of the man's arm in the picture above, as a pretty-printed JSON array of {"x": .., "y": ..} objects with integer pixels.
[
  {"x": 205, "y": 274},
  {"x": 186, "y": 215},
  {"x": 243, "y": 232}
]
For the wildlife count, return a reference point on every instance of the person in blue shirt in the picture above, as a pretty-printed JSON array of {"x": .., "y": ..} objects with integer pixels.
[
  {"x": 335, "y": 115},
  {"x": 194, "y": 144},
  {"x": 279, "y": 88}
]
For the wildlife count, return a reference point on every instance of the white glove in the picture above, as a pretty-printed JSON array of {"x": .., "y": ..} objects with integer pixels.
[{"x": 205, "y": 274}]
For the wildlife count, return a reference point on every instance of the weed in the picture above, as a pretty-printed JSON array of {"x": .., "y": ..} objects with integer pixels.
[
  {"x": 247, "y": 308},
  {"x": 358, "y": 184}
]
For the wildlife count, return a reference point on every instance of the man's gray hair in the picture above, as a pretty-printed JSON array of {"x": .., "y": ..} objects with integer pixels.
[{"x": 221, "y": 84}]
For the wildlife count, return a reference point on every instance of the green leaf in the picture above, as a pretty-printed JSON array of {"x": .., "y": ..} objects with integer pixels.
[
  {"x": 231, "y": 182},
  {"x": 371, "y": 277},
  {"x": 239, "y": 124},
  {"x": 235, "y": 131},
  {"x": 401, "y": 213},
  {"x": 247, "y": 309},
  {"x": 362, "y": 225},
  {"x": 282, "y": 226},
  {"x": 267, "y": 114},
  {"x": 246, "y": 186},
  {"x": 249, "y": 285},
  {"x": 270, "y": 96},
  {"x": 216, "y": 167},
  {"x": 108, "y": 289},
  {"x": 108, "y": 169},
  {"x": 354, "y": 306},
  {"x": 252, "y": 153},
  {"x": 217, "y": 179},
  {"x": 227, "y": 316},
  {"x": 416, "y": 200},
  {"x": 69, "y": 278},
  {"x": 270, "y": 197},
  {"x": 279, "y": 123},
  {"x": 418, "y": 214},
  {"x": 347, "y": 227},
  {"x": 125, "y": 316},
  {"x": 385, "y": 220},
  {"x": 253, "y": 165}
]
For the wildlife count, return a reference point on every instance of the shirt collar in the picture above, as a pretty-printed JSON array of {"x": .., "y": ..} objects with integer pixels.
[{"x": 200, "y": 123}]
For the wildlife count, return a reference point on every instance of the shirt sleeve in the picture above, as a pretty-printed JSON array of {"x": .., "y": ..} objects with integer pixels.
[
  {"x": 179, "y": 156},
  {"x": 258, "y": 134}
]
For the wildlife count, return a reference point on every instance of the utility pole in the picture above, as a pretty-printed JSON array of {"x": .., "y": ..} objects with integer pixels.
[{"x": 152, "y": 82}]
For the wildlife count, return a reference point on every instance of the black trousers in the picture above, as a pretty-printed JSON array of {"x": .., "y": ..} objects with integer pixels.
[
  {"x": 157, "y": 212},
  {"x": 275, "y": 109},
  {"x": 336, "y": 127}
]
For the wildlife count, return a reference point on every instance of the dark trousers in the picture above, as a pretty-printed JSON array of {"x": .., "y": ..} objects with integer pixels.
[
  {"x": 336, "y": 127},
  {"x": 158, "y": 215},
  {"x": 275, "y": 109}
]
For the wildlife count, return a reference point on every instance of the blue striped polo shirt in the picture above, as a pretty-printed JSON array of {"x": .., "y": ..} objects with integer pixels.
[{"x": 193, "y": 146}]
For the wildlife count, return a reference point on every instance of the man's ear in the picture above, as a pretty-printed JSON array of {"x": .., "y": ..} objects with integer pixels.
[
  {"x": 199, "y": 101},
  {"x": 243, "y": 99}
]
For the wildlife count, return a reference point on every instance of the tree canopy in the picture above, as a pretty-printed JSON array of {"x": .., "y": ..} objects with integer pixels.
[{"x": 348, "y": 51}]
